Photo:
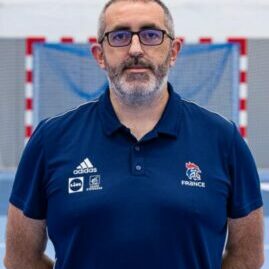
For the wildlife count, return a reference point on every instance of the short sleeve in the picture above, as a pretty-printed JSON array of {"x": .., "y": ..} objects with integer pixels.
[
  {"x": 245, "y": 184},
  {"x": 28, "y": 193}
]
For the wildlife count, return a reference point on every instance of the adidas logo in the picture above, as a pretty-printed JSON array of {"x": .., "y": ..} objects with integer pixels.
[
  {"x": 85, "y": 167},
  {"x": 85, "y": 164}
]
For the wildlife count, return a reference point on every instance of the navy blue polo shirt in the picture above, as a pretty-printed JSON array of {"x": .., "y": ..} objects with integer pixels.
[{"x": 111, "y": 201}]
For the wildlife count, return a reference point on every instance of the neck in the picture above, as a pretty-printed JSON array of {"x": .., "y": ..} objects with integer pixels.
[{"x": 140, "y": 119}]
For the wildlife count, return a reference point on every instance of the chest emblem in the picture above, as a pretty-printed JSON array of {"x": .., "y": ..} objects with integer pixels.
[{"x": 193, "y": 173}]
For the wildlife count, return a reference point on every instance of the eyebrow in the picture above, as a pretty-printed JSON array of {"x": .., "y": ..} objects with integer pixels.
[
  {"x": 146, "y": 26},
  {"x": 152, "y": 25}
]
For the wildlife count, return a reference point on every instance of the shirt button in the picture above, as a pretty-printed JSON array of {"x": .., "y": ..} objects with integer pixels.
[
  {"x": 138, "y": 167},
  {"x": 137, "y": 148}
]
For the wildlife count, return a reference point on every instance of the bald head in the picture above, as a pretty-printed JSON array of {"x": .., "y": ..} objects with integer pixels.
[{"x": 168, "y": 20}]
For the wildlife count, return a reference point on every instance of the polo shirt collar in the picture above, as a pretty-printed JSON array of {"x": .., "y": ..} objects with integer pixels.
[
  {"x": 107, "y": 114},
  {"x": 168, "y": 124}
]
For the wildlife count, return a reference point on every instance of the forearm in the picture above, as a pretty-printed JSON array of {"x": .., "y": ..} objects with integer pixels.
[
  {"x": 230, "y": 261},
  {"x": 42, "y": 263}
]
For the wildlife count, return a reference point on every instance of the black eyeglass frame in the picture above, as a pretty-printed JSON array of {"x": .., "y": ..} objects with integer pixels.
[{"x": 138, "y": 34}]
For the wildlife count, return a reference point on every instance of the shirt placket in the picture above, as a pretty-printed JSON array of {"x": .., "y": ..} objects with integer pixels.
[{"x": 137, "y": 160}]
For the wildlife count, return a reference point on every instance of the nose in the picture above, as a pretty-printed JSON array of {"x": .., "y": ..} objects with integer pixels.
[{"x": 135, "y": 47}]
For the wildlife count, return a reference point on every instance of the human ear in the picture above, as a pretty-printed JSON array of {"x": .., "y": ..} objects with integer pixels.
[
  {"x": 175, "y": 50},
  {"x": 98, "y": 54}
]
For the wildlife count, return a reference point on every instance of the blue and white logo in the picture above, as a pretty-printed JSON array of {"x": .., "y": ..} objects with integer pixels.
[
  {"x": 85, "y": 167},
  {"x": 75, "y": 184},
  {"x": 94, "y": 183}
]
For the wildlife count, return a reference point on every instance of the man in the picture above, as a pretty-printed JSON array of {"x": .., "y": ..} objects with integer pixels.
[{"x": 139, "y": 178}]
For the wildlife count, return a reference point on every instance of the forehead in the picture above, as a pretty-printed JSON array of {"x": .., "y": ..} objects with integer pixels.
[{"x": 134, "y": 15}]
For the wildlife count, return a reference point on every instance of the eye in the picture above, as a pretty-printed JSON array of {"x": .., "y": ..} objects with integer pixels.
[
  {"x": 119, "y": 36},
  {"x": 151, "y": 34}
]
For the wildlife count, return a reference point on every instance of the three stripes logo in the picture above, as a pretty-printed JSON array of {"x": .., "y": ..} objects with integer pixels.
[{"x": 85, "y": 167}]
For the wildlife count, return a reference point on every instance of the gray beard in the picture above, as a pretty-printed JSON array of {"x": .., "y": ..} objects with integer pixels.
[
  {"x": 138, "y": 96},
  {"x": 138, "y": 89}
]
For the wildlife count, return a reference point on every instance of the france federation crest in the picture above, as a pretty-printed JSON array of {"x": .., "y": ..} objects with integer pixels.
[{"x": 193, "y": 171}]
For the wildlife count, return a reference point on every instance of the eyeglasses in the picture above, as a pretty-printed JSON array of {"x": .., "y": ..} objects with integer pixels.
[{"x": 123, "y": 38}]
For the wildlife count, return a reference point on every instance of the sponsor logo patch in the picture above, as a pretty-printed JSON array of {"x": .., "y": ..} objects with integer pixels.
[
  {"x": 94, "y": 183},
  {"x": 75, "y": 184}
]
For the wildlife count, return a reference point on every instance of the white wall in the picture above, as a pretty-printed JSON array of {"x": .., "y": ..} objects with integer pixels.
[{"x": 193, "y": 18}]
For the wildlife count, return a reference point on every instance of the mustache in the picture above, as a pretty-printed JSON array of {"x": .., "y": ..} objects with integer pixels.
[{"x": 137, "y": 62}]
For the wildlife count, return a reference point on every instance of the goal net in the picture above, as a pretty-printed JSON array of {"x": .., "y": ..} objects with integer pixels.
[{"x": 66, "y": 75}]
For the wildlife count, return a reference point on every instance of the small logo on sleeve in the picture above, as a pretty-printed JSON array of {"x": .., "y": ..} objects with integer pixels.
[
  {"x": 193, "y": 172},
  {"x": 75, "y": 184}
]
